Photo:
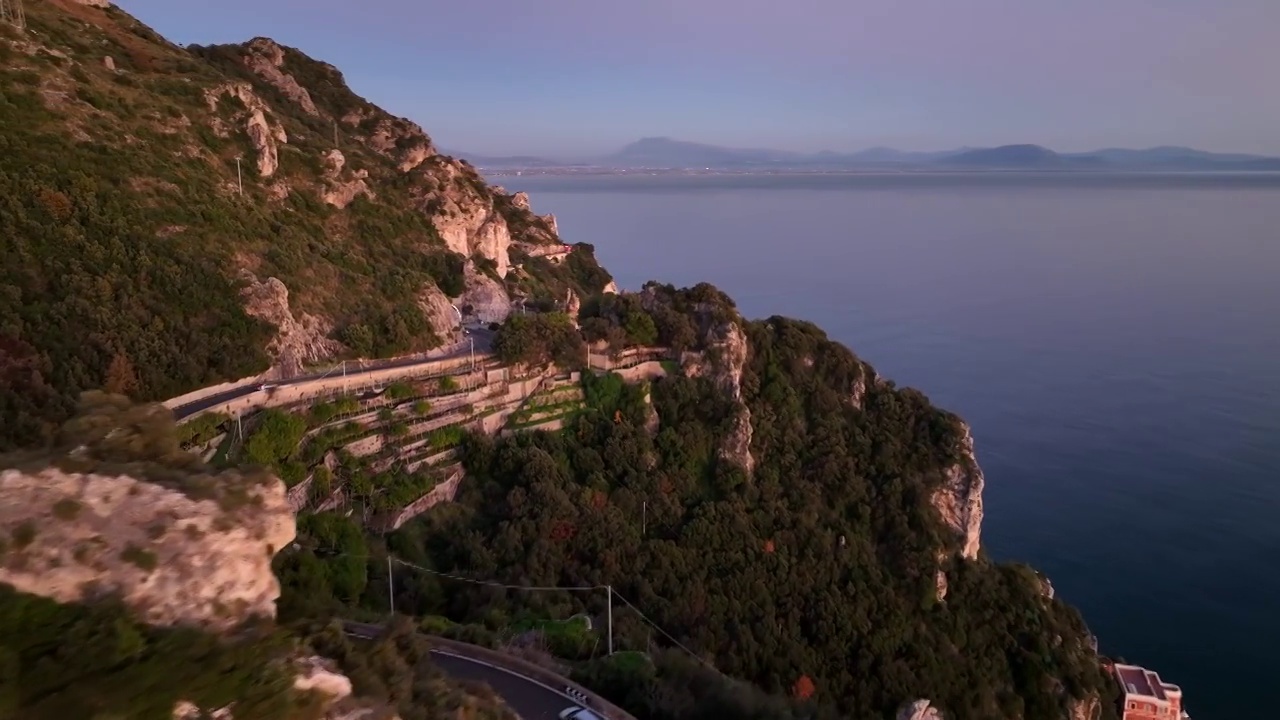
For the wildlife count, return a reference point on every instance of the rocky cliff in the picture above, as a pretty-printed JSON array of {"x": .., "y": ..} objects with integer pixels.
[
  {"x": 173, "y": 559},
  {"x": 959, "y": 499},
  {"x": 723, "y": 361},
  {"x": 116, "y": 508}
]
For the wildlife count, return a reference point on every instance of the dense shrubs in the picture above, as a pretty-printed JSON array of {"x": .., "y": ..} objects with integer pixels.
[
  {"x": 72, "y": 661},
  {"x": 539, "y": 338}
]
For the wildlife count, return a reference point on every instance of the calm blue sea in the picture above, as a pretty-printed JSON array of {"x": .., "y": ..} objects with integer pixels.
[{"x": 1113, "y": 340}]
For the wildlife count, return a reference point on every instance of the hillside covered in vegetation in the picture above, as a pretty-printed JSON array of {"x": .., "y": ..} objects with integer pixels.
[
  {"x": 825, "y": 574},
  {"x": 774, "y": 530},
  {"x": 172, "y": 218}
]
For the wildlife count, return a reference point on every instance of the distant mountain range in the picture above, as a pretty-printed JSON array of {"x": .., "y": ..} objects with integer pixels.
[{"x": 669, "y": 154}]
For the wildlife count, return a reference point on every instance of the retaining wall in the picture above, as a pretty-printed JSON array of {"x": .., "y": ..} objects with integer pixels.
[{"x": 334, "y": 385}]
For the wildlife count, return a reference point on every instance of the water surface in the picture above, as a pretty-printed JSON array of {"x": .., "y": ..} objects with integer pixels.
[{"x": 1113, "y": 340}]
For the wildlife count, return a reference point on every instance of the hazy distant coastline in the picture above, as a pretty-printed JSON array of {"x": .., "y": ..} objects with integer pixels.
[{"x": 667, "y": 156}]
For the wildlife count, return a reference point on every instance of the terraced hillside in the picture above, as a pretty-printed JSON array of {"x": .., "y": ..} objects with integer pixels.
[{"x": 392, "y": 449}]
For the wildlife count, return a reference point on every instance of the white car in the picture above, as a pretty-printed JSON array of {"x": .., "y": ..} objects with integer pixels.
[{"x": 578, "y": 713}]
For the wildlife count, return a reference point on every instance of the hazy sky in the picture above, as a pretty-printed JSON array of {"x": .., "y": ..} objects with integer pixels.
[{"x": 585, "y": 76}]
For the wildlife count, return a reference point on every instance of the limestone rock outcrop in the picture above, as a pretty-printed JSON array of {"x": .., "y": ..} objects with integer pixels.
[
  {"x": 173, "y": 559},
  {"x": 265, "y": 58},
  {"x": 439, "y": 311},
  {"x": 723, "y": 362},
  {"x": 485, "y": 298},
  {"x": 464, "y": 214},
  {"x": 299, "y": 340},
  {"x": 959, "y": 499},
  {"x": 920, "y": 710},
  {"x": 339, "y": 190},
  {"x": 264, "y": 135},
  {"x": 404, "y": 141}
]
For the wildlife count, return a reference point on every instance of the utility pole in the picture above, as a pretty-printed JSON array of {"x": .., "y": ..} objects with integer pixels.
[
  {"x": 335, "y": 134},
  {"x": 239, "y": 427},
  {"x": 472, "y": 338},
  {"x": 609, "y": 589},
  {"x": 391, "y": 587},
  {"x": 239, "y": 178},
  {"x": 644, "y": 517}
]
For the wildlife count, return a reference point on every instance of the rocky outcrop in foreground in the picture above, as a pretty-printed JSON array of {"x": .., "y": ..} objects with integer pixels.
[{"x": 173, "y": 559}]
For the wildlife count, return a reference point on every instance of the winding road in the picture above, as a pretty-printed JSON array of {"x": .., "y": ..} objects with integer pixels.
[
  {"x": 483, "y": 343},
  {"x": 530, "y": 699}
]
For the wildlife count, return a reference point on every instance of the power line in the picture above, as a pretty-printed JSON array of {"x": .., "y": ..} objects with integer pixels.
[
  {"x": 537, "y": 588},
  {"x": 489, "y": 583},
  {"x": 665, "y": 634}
]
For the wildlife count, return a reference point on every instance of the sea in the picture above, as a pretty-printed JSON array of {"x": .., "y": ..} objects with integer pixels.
[{"x": 1114, "y": 341}]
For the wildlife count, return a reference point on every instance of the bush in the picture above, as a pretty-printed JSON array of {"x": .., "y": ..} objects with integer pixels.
[
  {"x": 76, "y": 661},
  {"x": 540, "y": 338}
]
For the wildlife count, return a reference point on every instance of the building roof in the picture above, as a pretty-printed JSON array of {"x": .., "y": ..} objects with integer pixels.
[{"x": 1145, "y": 683}]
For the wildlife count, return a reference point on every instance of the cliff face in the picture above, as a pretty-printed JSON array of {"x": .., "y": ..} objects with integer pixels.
[
  {"x": 174, "y": 560},
  {"x": 959, "y": 499},
  {"x": 728, "y": 349}
]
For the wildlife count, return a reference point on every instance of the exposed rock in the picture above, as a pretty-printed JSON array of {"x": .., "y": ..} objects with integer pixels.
[
  {"x": 342, "y": 194},
  {"x": 338, "y": 192},
  {"x": 572, "y": 306},
  {"x": 95, "y": 3},
  {"x": 465, "y": 217},
  {"x": 299, "y": 340},
  {"x": 415, "y": 156},
  {"x": 262, "y": 134},
  {"x": 439, "y": 312},
  {"x": 109, "y": 63},
  {"x": 172, "y": 559},
  {"x": 334, "y": 161},
  {"x": 263, "y": 139},
  {"x": 610, "y": 287},
  {"x": 321, "y": 675},
  {"x": 185, "y": 710},
  {"x": 859, "y": 389},
  {"x": 520, "y": 200},
  {"x": 959, "y": 499},
  {"x": 919, "y": 710},
  {"x": 1089, "y": 708},
  {"x": 723, "y": 362},
  {"x": 550, "y": 220},
  {"x": 486, "y": 298},
  {"x": 940, "y": 581},
  {"x": 265, "y": 59},
  {"x": 401, "y": 140},
  {"x": 652, "y": 422}
]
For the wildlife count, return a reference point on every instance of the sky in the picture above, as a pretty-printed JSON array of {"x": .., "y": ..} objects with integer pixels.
[{"x": 571, "y": 78}]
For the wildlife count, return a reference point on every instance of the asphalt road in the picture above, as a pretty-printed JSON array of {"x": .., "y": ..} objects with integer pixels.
[
  {"x": 483, "y": 342},
  {"x": 530, "y": 700}
]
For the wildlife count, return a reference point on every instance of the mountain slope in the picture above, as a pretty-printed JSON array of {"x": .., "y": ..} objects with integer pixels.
[{"x": 173, "y": 218}]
